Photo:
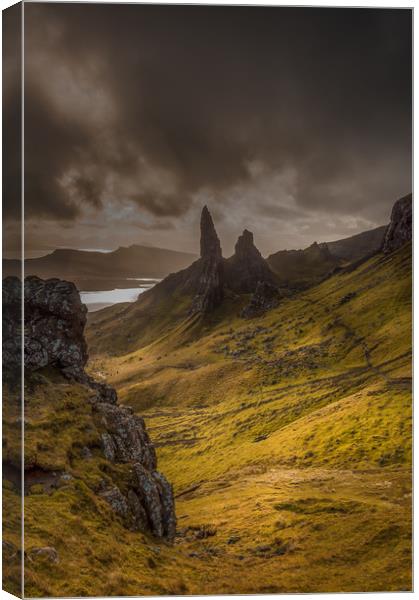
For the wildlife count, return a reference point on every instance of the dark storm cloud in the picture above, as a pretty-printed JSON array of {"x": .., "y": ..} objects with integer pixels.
[
  {"x": 159, "y": 106},
  {"x": 12, "y": 111}
]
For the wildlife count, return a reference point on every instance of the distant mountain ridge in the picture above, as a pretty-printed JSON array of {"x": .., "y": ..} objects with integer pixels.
[
  {"x": 295, "y": 269},
  {"x": 359, "y": 245},
  {"x": 302, "y": 268},
  {"x": 100, "y": 270}
]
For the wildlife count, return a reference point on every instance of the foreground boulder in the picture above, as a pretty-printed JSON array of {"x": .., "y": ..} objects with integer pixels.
[
  {"x": 399, "y": 230},
  {"x": 54, "y": 337}
]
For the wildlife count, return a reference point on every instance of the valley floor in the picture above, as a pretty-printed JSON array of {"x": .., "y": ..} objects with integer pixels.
[
  {"x": 287, "y": 438},
  {"x": 298, "y": 530}
]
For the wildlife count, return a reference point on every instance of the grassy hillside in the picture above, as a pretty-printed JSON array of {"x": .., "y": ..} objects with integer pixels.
[
  {"x": 85, "y": 548},
  {"x": 287, "y": 437}
]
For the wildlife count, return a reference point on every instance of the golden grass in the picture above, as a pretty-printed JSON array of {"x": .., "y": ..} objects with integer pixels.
[{"x": 287, "y": 439}]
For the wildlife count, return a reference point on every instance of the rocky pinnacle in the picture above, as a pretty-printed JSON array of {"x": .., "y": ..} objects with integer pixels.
[
  {"x": 210, "y": 243},
  {"x": 210, "y": 278},
  {"x": 246, "y": 268}
]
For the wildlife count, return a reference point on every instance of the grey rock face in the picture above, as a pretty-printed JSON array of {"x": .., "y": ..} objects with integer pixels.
[
  {"x": 54, "y": 336},
  {"x": 210, "y": 286},
  {"x": 155, "y": 494},
  {"x": 209, "y": 269},
  {"x": 125, "y": 438},
  {"x": 266, "y": 297},
  {"x": 246, "y": 268},
  {"x": 399, "y": 231},
  {"x": 210, "y": 243},
  {"x": 54, "y": 323},
  {"x": 117, "y": 501}
]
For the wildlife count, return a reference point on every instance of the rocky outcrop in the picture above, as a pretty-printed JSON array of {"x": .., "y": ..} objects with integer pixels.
[
  {"x": 210, "y": 243},
  {"x": 265, "y": 297},
  {"x": 241, "y": 273},
  {"x": 210, "y": 292},
  {"x": 209, "y": 268},
  {"x": 246, "y": 268},
  {"x": 54, "y": 336},
  {"x": 148, "y": 504},
  {"x": 54, "y": 324},
  {"x": 54, "y": 330},
  {"x": 399, "y": 231},
  {"x": 11, "y": 328}
]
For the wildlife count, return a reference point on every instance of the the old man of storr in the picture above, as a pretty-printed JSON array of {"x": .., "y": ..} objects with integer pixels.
[{"x": 207, "y": 299}]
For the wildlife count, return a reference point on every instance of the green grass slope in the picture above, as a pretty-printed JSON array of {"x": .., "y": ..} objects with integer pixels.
[
  {"x": 287, "y": 439},
  {"x": 317, "y": 391},
  {"x": 86, "y": 550}
]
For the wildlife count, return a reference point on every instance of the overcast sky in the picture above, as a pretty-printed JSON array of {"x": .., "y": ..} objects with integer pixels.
[{"x": 294, "y": 123}]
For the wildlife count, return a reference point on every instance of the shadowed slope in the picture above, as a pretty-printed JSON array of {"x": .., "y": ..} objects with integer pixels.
[{"x": 302, "y": 268}]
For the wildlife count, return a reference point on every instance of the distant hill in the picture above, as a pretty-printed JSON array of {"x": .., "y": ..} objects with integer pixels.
[
  {"x": 100, "y": 270},
  {"x": 360, "y": 245},
  {"x": 301, "y": 268}
]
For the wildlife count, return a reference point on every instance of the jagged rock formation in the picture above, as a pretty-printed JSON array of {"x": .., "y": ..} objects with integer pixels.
[
  {"x": 210, "y": 243},
  {"x": 210, "y": 281},
  {"x": 148, "y": 505},
  {"x": 399, "y": 231},
  {"x": 54, "y": 323},
  {"x": 54, "y": 336},
  {"x": 246, "y": 268},
  {"x": 192, "y": 292},
  {"x": 265, "y": 297}
]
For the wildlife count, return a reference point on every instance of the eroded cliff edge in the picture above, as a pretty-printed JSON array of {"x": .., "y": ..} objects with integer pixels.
[{"x": 54, "y": 340}]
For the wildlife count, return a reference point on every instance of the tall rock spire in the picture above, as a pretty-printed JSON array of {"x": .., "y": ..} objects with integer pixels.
[
  {"x": 210, "y": 289},
  {"x": 210, "y": 243}
]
